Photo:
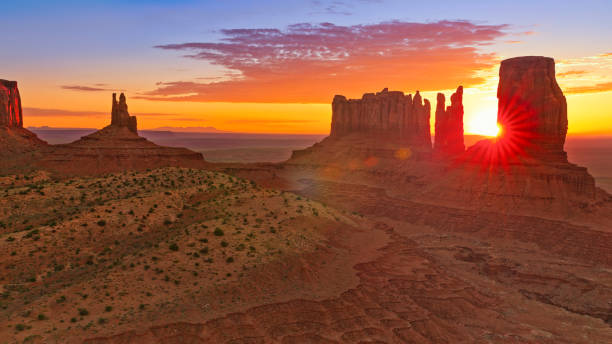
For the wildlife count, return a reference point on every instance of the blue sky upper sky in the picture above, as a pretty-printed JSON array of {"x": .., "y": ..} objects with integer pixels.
[{"x": 51, "y": 46}]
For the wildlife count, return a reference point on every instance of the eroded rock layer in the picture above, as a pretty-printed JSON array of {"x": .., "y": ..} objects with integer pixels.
[{"x": 390, "y": 114}]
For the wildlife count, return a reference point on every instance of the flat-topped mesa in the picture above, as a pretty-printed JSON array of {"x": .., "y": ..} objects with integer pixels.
[
  {"x": 120, "y": 116},
  {"x": 532, "y": 109},
  {"x": 10, "y": 105},
  {"x": 449, "y": 125},
  {"x": 388, "y": 114}
]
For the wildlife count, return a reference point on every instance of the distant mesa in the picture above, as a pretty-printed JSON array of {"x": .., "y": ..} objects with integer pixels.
[{"x": 116, "y": 147}]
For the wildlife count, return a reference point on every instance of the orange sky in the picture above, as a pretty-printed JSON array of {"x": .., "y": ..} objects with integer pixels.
[{"x": 278, "y": 74}]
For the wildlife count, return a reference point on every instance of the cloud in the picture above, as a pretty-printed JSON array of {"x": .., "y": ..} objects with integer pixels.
[
  {"x": 338, "y": 7},
  {"x": 572, "y": 72},
  {"x": 309, "y": 63},
  {"x": 38, "y": 112},
  {"x": 602, "y": 87},
  {"x": 87, "y": 88},
  {"x": 593, "y": 74}
]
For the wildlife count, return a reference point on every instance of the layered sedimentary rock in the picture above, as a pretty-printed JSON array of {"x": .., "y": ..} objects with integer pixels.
[
  {"x": 18, "y": 146},
  {"x": 120, "y": 116},
  {"x": 10, "y": 105},
  {"x": 449, "y": 124},
  {"x": 389, "y": 114},
  {"x": 116, "y": 147},
  {"x": 532, "y": 109}
]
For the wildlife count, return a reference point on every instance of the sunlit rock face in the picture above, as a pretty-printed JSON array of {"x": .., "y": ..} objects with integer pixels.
[
  {"x": 10, "y": 105},
  {"x": 120, "y": 116},
  {"x": 532, "y": 110},
  {"x": 388, "y": 114},
  {"x": 449, "y": 125}
]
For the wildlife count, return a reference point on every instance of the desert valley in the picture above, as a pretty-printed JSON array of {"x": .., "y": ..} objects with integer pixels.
[{"x": 379, "y": 233}]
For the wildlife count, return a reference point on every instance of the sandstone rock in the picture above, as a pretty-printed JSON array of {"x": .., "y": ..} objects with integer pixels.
[
  {"x": 389, "y": 114},
  {"x": 449, "y": 125},
  {"x": 532, "y": 109},
  {"x": 120, "y": 116},
  {"x": 10, "y": 105},
  {"x": 116, "y": 147}
]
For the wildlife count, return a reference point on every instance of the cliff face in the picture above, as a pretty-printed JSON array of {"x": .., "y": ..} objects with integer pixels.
[
  {"x": 449, "y": 125},
  {"x": 392, "y": 115},
  {"x": 120, "y": 116},
  {"x": 10, "y": 105},
  {"x": 532, "y": 110}
]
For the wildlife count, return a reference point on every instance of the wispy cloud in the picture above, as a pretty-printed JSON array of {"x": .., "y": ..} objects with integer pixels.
[
  {"x": 603, "y": 87},
  {"x": 572, "y": 72},
  {"x": 590, "y": 74},
  {"x": 97, "y": 88},
  {"x": 309, "y": 63},
  {"x": 338, "y": 7},
  {"x": 38, "y": 112}
]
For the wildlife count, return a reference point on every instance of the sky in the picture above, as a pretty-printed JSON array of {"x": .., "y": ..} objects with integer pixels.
[{"x": 274, "y": 66}]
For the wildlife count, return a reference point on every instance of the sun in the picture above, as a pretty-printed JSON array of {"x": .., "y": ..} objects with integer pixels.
[{"x": 483, "y": 123}]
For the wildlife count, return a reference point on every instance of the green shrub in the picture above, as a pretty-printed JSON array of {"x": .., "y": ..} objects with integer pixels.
[{"x": 218, "y": 232}]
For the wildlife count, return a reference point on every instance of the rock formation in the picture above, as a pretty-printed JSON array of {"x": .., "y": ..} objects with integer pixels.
[
  {"x": 120, "y": 116},
  {"x": 391, "y": 115},
  {"x": 18, "y": 146},
  {"x": 449, "y": 125},
  {"x": 10, "y": 105},
  {"x": 116, "y": 147},
  {"x": 532, "y": 110}
]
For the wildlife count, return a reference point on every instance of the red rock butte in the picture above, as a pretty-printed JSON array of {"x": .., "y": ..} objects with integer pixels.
[
  {"x": 17, "y": 145},
  {"x": 386, "y": 136},
  {"x": 116, "y": 147}
]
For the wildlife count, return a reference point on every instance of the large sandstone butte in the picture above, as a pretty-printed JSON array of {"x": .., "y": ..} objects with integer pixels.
[
  {"x": 449, "y": 124},
  {"x": 390, "y": 115},
  {"x": 532, "y": 110},
  {"x": 116, "y": 147}
]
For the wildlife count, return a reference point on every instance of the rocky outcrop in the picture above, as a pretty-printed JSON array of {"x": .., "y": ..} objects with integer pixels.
[
  {"x": 532, "y": 110},
  {"x": 449, "y": 125},
  {"x": 10, "y": 105},
  {"x": 120, "y": 116},
  {"x": 18, "y": 146},
  {"x": 388, "y": 114},
  {"x": 116, "y": 147}
]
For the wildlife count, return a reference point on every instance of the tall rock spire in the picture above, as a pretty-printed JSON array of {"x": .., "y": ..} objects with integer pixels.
[
  {"x": 449, "y": 125},
  {"x": 10, "y": 105},
  {"x": 120, "y": 117}
]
